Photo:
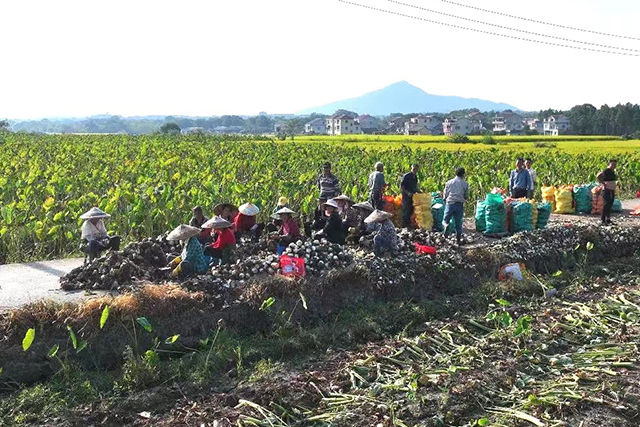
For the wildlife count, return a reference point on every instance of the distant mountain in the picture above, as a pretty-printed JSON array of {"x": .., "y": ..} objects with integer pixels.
[{"x": 403, "y": 97}]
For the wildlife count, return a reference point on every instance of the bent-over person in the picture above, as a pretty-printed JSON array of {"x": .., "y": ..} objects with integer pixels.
[{"x": 95, "y": 233}]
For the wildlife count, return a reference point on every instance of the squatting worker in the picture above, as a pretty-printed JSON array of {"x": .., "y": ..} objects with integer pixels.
[
  {"x": 95, "y": 233},
  {"x": 520, "y": 180},
  {"x": 456, "y": 192},
  {"x": 534, "y": 177},
  {"x": 608, "y": 179},
  {"x": 409, "y": 187},
  {"x": 377, "y": 185},
  {"x": 328, "y": 183},
  {"x": 196, "y": 221}
]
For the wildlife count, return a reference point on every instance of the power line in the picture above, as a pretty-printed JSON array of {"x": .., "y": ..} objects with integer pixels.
[
  {"x": 540, "y": 22},
  {"x": 512, "y": 29},
  {"x": 487, "y": 32}
]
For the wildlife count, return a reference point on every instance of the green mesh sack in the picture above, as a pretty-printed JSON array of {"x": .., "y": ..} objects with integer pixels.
[
  {"x": 481, "y": 218},
  {"x": 521, "y": 217},
  {"x": 495, "y": 214},
  {"x": 582, "y": 198},
  {"x": 544, "y": 213}
]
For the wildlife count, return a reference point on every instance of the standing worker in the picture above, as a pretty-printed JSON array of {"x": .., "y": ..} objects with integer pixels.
[
  {"x": 608, "y": 179},
  {"x": 328, "y": 184},
  {"x": 534, "y": 177},
  {"x": 456, "y": 192},
  {"x": 520, "y": 180},
  {"x": 409, "y": 187},
  {"x": 377, "y": 186}
]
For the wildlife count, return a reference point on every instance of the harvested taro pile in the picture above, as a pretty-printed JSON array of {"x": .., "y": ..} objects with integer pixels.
[
  {"x": 320, "y": 256},
  {"x": 119, "y": 270}
]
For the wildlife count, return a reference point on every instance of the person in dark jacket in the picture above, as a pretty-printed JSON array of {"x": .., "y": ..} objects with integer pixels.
[
  {"x": 319, "y": 219},
  {"x": 609, "y": 180},
  {"x": 333, "y": 231},
  {"x": 409, "y": 187}
]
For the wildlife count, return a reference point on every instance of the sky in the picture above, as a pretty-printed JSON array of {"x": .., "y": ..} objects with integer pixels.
[{"x": 215, "y": 57}]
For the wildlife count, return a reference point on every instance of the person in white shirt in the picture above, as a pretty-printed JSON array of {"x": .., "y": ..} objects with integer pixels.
[
  {"x": 95, "y": 233},
  {"x": 534, "y": 178}
]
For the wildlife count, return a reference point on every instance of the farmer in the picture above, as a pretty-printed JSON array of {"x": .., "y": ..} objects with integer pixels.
[
  {"x": 534, "y": 177},
  {"x": 224, "y": 240},
  {"x": 386, "y": 238},
  {"x": 319, "y": 219},
  {"x": 520, "y": 180},
  {"x": 608, "y": 179},
  {"x": 95, "y": 233},
  {"x": 348, "y": 215},
  {"x": 456, "y": 192},
  {"x": 245, "y": 221},
  {"x": 333, "y": 230},
  {"x": 196, "y": 221},
  {"x": 377, "y": 185},
  {"x": 328, "y": 183},
  {"x": 409, "y": 187},
  {"x": 363, "y": 210},
  {"x": 276, "y": 223},
  {"x": 226, "y": 211},
  {"x": 289, "y": 230},
  {"x": 192, "y": 259}
]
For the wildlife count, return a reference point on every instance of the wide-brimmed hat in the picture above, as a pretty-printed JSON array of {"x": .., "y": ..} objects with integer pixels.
[
  {"x": 365, "y": 205},
  {"x": 217, "y": 222},
  {"x": 183, "y": 232},
  {"x": 284, "y": 210},
  {"x": 343, "y": 197},
  {"x": 217, "y": 210},
  {"x": 331, "y": 203},
  {"x": 249, "y": 209},
  {"x": 378, "y": 216},
  {"x": 283, "y": 201},
  {"x": 94, "y": 213}
]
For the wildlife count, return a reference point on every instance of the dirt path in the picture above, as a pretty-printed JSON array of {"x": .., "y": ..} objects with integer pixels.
[{"x": 21, "y": 284}]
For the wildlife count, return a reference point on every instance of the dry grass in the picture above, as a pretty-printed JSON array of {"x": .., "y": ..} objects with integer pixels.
[{"x": 158, "y": 301}]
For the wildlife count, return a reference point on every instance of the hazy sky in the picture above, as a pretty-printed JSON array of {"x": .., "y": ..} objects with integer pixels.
[{"x": 212, "y": 57}]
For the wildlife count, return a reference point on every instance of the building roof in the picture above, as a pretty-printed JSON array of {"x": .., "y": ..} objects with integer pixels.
[
  {"x": 342, "y": 117},
  {"x": 317, "y": 121},
  {"x": 365, "y": 116}
]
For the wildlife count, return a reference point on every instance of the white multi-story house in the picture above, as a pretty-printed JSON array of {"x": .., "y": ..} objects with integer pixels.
[
  {"x": 462, "y": 126},
  {"x": 343, "y": 124},
  {"x": 536, "y": 124},
  {"x": 423, "y": 125},
  {"x": 317, "y": 126},
  {"x": 508, "y": 122},
  {"x": 557, "y": 125}
]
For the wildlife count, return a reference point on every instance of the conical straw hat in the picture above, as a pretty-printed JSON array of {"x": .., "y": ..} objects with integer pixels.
[
  {"x": 377, "y": 216},
  {"x": 183, "y": 232},
  {"x": 217, "y": 222},
  {"x": 94, "y": 213},
  {"x": 249, "y": 209},
  {"x": 343, "y": 197},
  {"x": 331, "y": 203},
  {"x": 217, "y": 210},
  {"x": 365, "y": 205}
]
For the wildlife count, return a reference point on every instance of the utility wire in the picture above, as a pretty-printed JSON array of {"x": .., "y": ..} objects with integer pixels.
[
  {"x": 487, "y": 32},
  {"x": 539, "y": 22},
  {"x": 512, "y": 29}
]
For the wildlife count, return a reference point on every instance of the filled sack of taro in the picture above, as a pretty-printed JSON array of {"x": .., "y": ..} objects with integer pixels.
[
  {"x": 544, "y": 213},
  {"x": 481, "y": 217},
  {"x": 495, "y": 214},
  {"x": 564, "y": 200},
  {"x": 521, "y": 216},
  {"x": 582, "y": 198},
  {"x": 549, "y": 195}
]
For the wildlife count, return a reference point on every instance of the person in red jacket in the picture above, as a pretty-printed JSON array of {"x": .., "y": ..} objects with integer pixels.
[
  {"x": 223, "y": 240},
  {"x": 289, "y": 230},
  {"x": 245, "y": 222}
]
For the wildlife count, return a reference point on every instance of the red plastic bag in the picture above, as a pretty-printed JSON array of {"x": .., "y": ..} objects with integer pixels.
[
  {"x": 638, "y": 194},
  {"x": 291, "y": 266},
  {"x": 422, "y": 249}
]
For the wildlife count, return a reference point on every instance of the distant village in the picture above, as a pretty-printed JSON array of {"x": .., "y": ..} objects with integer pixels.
[{"x": 505, "y": 123}]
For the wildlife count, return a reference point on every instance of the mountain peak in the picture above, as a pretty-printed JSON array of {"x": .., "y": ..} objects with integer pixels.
[{"x": 403, "y": 97}]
